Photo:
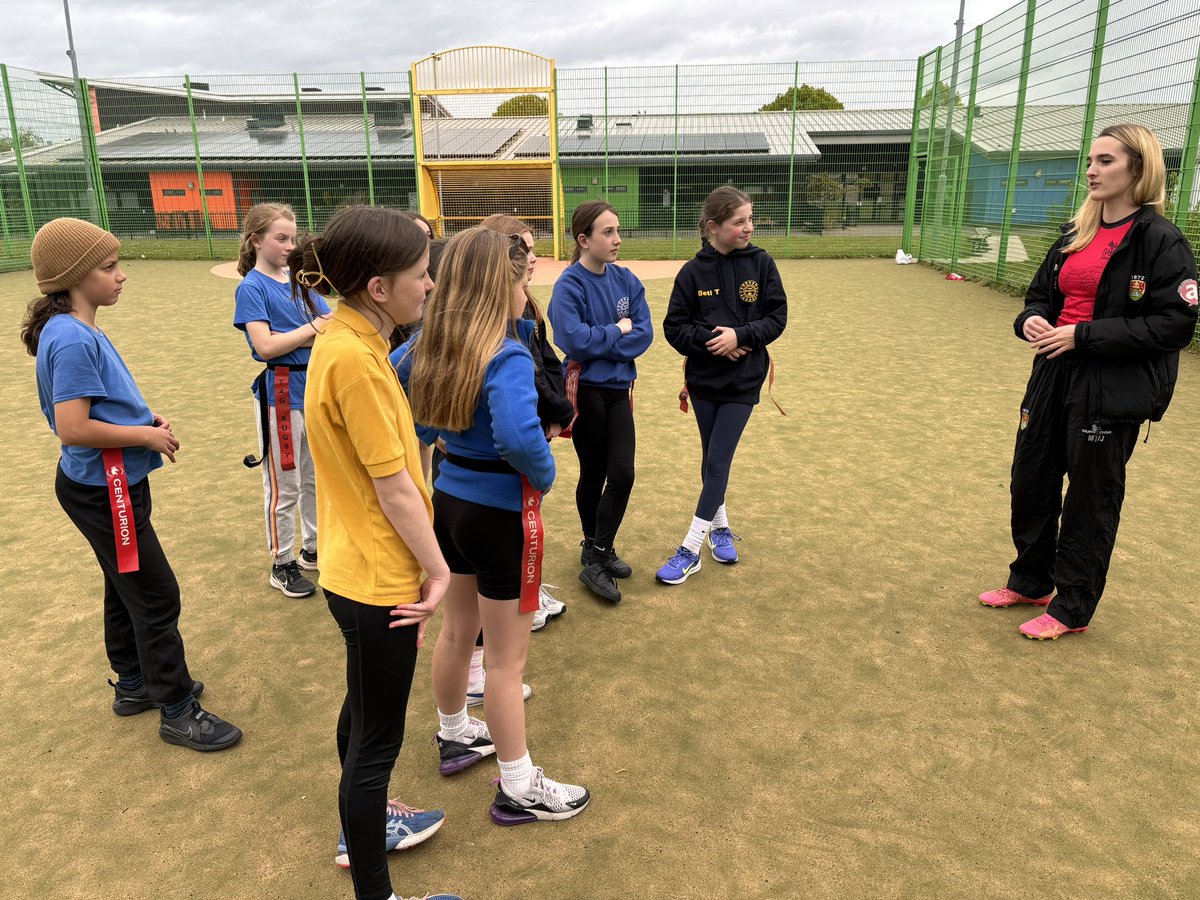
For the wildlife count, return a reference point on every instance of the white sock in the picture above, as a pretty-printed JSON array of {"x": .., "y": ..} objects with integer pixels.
[
  {"x": 721, "y": 519},
  {"x": 516, "y": 777},
  {"x": 696, "y": 534},
  {"x": 453, "y": 726},
  {"x": 476, "y": 674}
]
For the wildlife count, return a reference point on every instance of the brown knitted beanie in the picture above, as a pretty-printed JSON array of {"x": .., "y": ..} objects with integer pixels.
[{"x": 65, "y": 250}]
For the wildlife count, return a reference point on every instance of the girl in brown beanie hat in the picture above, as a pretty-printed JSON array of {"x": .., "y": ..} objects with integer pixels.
[{"x": 111, "y": 441}]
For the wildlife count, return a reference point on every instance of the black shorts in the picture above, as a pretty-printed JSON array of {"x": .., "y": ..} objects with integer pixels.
[{"x": 482, "y": 541}]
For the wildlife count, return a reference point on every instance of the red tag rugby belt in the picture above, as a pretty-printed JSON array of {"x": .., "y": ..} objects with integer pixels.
[
  {"x": 572, "y": 386},
  {"x": 683, "y": 392},
  {"x": 532, "y": 549},
  {"x": 283, "y": 418},
  {"x": 124, "y": 527}
]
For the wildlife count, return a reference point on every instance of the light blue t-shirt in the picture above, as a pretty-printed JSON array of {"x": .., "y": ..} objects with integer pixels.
[
  {"x": 262, "y": 299},
  {"x": 75, "y": 360}
]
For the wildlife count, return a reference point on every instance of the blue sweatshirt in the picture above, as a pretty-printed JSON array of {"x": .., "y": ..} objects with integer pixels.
[
  {"x": 506, "y": 426},
  {"x": 584, "y": 311}
]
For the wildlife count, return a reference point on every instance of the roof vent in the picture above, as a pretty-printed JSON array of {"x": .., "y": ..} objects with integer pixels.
[{"x": 583, "y": 123}]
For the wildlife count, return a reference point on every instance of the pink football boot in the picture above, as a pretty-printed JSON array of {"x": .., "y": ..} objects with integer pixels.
[
  {"x": 1005, "y": 597},
  {"x": 1047, "y": 628}
]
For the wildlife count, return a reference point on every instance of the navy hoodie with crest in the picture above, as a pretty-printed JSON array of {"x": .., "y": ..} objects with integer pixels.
[{"x": 741, "y": 290}]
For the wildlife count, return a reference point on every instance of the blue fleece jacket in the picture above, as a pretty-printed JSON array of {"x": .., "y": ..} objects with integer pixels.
[
  {"x": 506, "y": 426},
  {"x": 584, "y": 311}
]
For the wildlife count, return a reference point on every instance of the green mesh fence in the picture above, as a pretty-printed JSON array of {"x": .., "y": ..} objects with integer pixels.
[
  {"x": 1004, "y": 120},
  {"x": 172, "y": 163}
]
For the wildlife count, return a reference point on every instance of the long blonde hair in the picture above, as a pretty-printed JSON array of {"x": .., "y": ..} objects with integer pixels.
[
  {"x": 258, "y": 220},
  {"x": 511, "y": 225},
  {"x": 1149, "y": 181},
  {"x": 467, "y": 318}
]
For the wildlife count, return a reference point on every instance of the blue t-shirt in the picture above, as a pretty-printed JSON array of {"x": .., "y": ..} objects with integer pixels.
[
  {"x": 75, "y": 360},
  {"x": 262, "y": 299}
]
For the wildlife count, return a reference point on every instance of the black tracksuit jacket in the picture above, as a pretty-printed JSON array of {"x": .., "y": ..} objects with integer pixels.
[
  {"x": 741, "y": 290},
  {"x": 1144, "y": 316}
]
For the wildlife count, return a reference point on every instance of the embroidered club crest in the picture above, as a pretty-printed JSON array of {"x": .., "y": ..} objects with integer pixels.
[
  {"x": 1024, "y": 419},
  {"x": 1137, "y": 288},
  {"x": 748, "y": 292},
  {"x": 1187, "y": 290},
  {"x": 623, "y": 308}
]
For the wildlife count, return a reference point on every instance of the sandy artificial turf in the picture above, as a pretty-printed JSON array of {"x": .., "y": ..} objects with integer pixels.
[{"x": 836, "y": 716}]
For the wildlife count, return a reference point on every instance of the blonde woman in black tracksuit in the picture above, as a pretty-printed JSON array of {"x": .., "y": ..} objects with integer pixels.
[{"x": 1107, "y": 314}]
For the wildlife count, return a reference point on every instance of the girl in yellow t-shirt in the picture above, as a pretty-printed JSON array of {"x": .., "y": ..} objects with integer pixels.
[{"x": 375, "y": 533}]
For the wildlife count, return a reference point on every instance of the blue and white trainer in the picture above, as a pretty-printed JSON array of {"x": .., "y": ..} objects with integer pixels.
[
  {"x": 679, "y": 567},
  {"x": 406, "y": 827},
  {"x": 720, "y": 542}
]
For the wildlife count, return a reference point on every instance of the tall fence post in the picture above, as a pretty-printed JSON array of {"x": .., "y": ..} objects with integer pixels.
[
  {"x": 98, "y": 202},
  {"x": 1187, "y": 163},
  {"x": 787, "y": 239},
  {"x": 17, "y": 154},
  {"x": 414, "y": 111},
  {"x": 675, "y": 181},
  {"x": 606, "y": 130},
  {"x": 910, "y": 188},
  {"x": 960, "y": 193},
  {"x": 303, "y": 152},
  {"x": 1089, "y": 109},
  {"x": 362, "y": 84},
  {"x": 557, "y": 198},
  {"x": 1014, "y": 158},
  {"x": 929, "y": 166},
  {"x": 187, "y": 83}
]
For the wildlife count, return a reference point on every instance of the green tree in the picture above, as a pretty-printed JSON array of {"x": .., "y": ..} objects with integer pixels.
[
  {"x": 523, "y": 105},
  {"x": 28, "y": 141},
  {"x": 944, "y": 95},
  {"x": 804, "y": 97}
]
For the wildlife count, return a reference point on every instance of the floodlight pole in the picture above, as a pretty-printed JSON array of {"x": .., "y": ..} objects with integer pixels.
[{"x": 84, "y": 143}]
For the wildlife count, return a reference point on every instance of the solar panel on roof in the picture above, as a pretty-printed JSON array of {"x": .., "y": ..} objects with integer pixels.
[{"x": 446, "y": 141}]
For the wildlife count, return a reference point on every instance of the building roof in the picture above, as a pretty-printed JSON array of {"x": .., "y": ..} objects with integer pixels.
[{"x": 719, "y": 137}]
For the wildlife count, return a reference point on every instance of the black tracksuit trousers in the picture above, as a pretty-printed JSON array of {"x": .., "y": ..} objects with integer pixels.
[{"x": 1058, "y": 437}]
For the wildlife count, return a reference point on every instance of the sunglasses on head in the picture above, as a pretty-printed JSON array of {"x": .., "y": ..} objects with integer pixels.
[{"x": 517, "y": 246}]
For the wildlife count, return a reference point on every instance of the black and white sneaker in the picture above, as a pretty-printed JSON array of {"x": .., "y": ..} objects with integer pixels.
[
  {"x": 130, "y": 703},
  {"x": 288, "y": 579},
  {"x": 545, "y": 801},
  {"x": 454, "y": 756},
  {"x": 200, "y": 730},
  {"x": 617, "y": 567},
  {"x": 308, "y": 560}
]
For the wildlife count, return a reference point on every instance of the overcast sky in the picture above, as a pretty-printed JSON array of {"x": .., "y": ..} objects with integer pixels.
[{"x": 121, "y": 37}]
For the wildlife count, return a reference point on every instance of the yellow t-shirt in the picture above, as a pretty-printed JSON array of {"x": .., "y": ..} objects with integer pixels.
[{"x": 360, "y": 427}]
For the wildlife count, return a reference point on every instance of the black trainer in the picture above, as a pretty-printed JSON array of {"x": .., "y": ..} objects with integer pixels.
[
  {"x": 617, "y": 566},
  {"x": 289, "y": 579},
  {"x": 308, "y": 560},
  {"x": 598, "y": 579},
  {"x": 199, "y": 729},
  {"x": 130, "y": 703}
]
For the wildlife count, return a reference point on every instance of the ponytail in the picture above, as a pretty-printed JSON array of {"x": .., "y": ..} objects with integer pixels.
[{"x": 38, "y": 313}]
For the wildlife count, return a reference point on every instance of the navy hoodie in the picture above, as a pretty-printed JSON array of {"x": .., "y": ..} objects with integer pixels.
[
  {"x": 741, "y": 290},
  {"x": 584, "y": 311}
]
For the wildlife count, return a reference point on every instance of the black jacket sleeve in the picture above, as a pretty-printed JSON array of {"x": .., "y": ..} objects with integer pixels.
[
  {"x": 1169, "y": 320},
  {"x": 1039, "y": 299},
  {"x": 552, "y": 403},
  {"x": 760, "y": 332},
  {"x": 680, "y": 327}
]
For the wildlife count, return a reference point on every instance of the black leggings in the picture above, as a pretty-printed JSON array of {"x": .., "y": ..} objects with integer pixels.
[
  {"x": 721, "y": 427},
  {"x": 379, "y": 672},
  {"x": 604, "y": 441},
  {"x": 141, "y": 609}
]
